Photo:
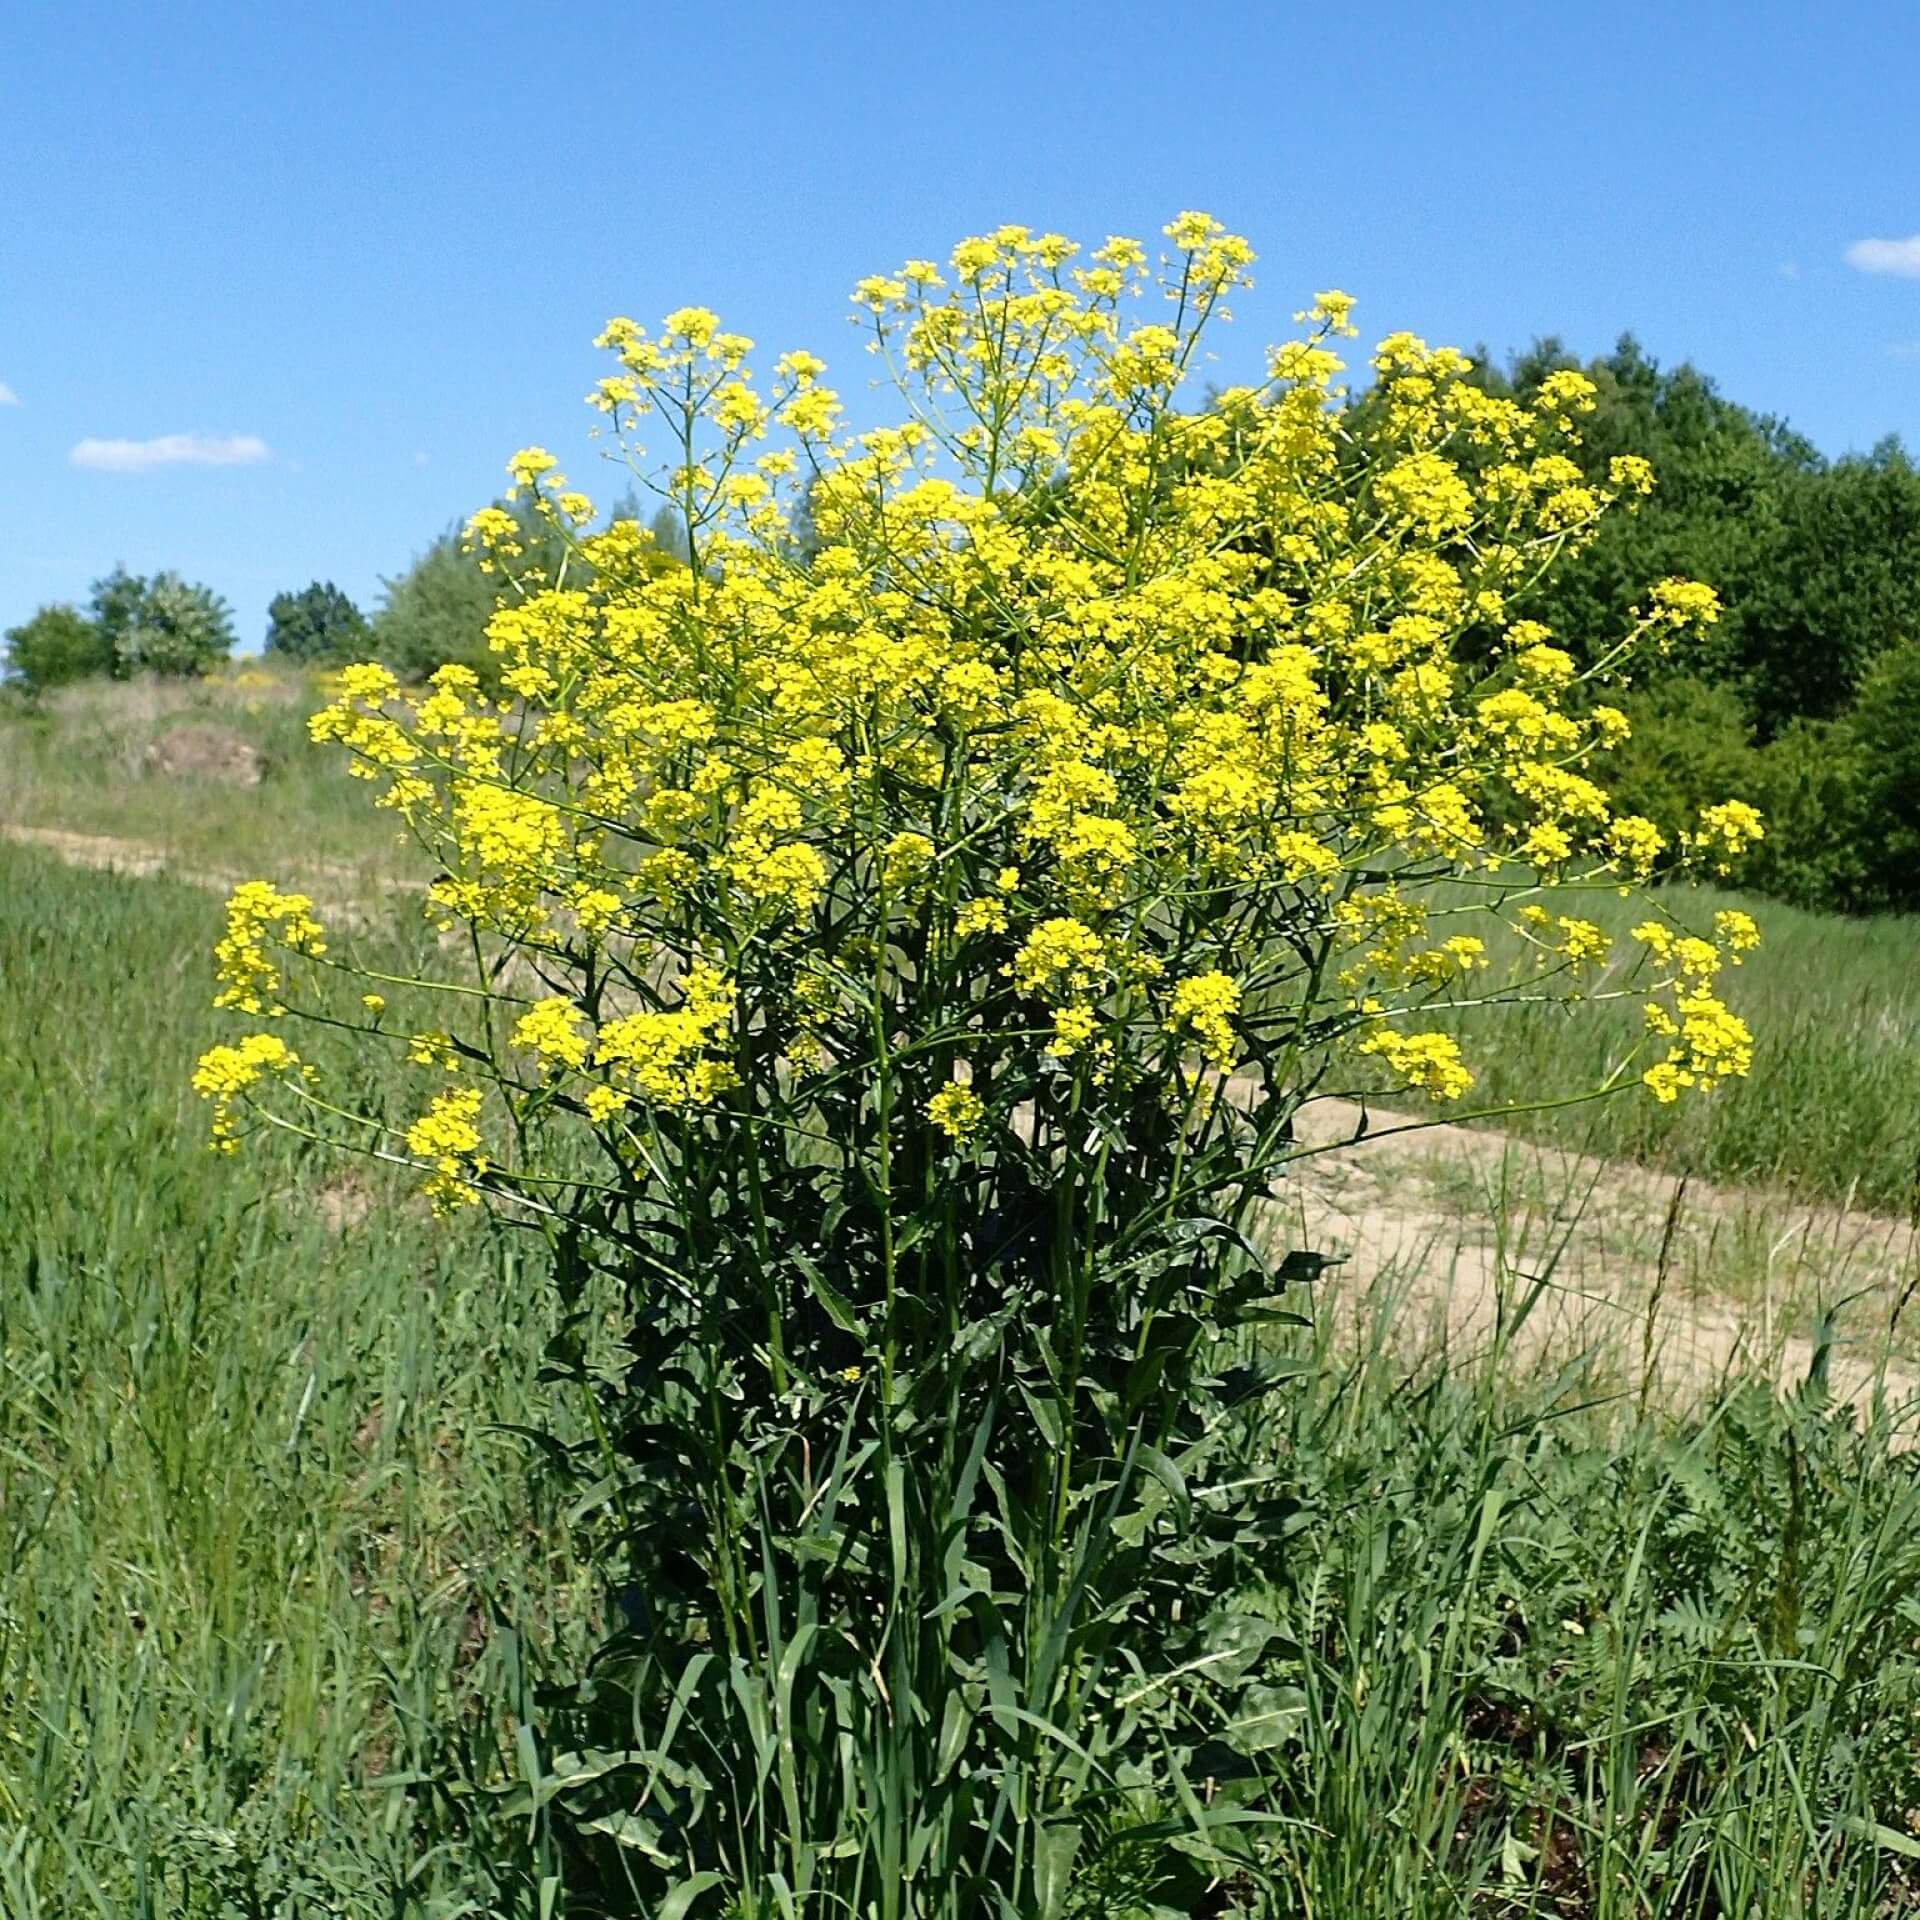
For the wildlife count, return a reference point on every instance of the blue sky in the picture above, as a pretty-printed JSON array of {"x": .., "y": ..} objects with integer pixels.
[{"x": 281, "y": 287}]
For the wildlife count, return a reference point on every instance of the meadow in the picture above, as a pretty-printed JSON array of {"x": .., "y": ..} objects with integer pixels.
[{"x": 281, "y": 1581}]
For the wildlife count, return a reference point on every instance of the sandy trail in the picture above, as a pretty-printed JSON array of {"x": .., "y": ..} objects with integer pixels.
[
  {"x": 1663, "y": 1284},
  {"x": 339, "y": 888}
]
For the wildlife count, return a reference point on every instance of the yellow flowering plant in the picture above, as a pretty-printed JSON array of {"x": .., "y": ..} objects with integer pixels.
[{"x": 902, "y": 940}]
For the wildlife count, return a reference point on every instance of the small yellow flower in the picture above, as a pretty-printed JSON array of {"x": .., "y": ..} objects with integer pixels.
[
  {"x": 447, "y": 1138},
  {"x": 1203, "y": 1005},
  {"x": 985, "y": 915},
  {"x": 434, "y": 1050},
  {"x": 227, "y": 1074},
  {"x": 1426, "y": 1060},
  {"x": 1059, "y": 961},
  {"x": 957, "y": 1111},
  {"x": 552, "y": 1029}
]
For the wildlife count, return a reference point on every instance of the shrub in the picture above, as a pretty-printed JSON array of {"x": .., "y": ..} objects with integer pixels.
[
  {"x": 165, "y": 625},
  {"x": 57, "y": 646},
  {"x": 317, "y": 623},
  {"x": 901, "y": 957},
  {"x": 1843, "y": 796},
  {"x": 435, "y": 614},
  {"x": 1884, "y": 731}
]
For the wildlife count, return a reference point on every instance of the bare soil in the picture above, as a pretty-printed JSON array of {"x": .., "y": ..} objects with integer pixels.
[{"x": 1660, "y": 1284}]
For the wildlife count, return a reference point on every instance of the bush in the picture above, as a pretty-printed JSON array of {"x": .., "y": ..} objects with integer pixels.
[
  {"x": 165, "y": 625},
  {"x": 1843, "y": 796},
  {"x": 901, "y": 956},
  {"x": 435, "y": 614},
  {"x": 1884, "y": 732},
  {"x": 57, "y": 646},
  {"x": 318, "y": 623}
]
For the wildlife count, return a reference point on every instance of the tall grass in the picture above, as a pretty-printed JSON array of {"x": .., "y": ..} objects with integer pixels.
[
  {"x": 1549, "y": 1656},
  {"x": 79, "y": 760},
  {"x": 258, "y": 1530}
]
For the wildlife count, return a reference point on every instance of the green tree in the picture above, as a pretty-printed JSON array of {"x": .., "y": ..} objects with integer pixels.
[
  {"x": 1689, "y": 747},
  {"x": 1885, "y": 730},
  {"x": 164, "y": 625},
  {"x": 58, "y": 645},
  {"x": 317, "y": 623},
  {"x": 436, "y": 613},
  {"x": 1817, "y": 562},
  {"x": 1834, "y": 581}
]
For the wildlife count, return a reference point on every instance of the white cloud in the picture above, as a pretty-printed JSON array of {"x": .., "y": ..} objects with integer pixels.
[
  {"x": 1887, "y": 256},
  {"x": 8, "y": 398},
  {"x": 171, "y": 450},
  {"x": 1905, "y": 349},
  {"x": 1789, "y": 269},
  {"x": 421, "y": 459}
]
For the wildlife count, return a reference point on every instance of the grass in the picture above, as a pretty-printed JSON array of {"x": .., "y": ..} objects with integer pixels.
[
  {"x": 77, "y": 761},
  {"x": 1558, "y": 1663},
  {"x": 259, "y": 1530},
  {"x": 278, "y": 1589}
]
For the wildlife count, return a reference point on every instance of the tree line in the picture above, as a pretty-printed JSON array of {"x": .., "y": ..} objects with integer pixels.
[
  {"x": 434, "y": 613},
  {"x": 130, "y": 625}
]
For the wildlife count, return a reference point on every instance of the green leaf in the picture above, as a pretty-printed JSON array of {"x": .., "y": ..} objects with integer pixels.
[
  {"x": 1047, "y": 1415},
  {"x": 955, "y": 1725},
  {"x": 1169, "y": 1475},
  {"x": 629, "y": 1830},
  {"x": 1303, "y": 1267},
  {"x": 1267, "y": 1718},
  {"x": 1887, "y": 1839},
  {"x": 1054, "y": 1847},
  {"x": 681, "y": 1897},
  {"x": 838, "y": 1308}
]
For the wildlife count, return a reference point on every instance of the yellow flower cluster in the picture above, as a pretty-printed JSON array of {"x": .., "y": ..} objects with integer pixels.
[
  {"x": 1061, "y": 680},
  {"x": 1429, "y": 1061},
  {"x": 1060, "y": 962},
  {"x": 958, "y": 1112},
  {"x": 1709, "y": 1043},
  {"x": 674, "y": 1058},
  {"x": 552, "y": 1030},
  {"x": 259, "y": 918},
  {"x": 1726, "y": 831},
  {"x": 225, "y": 1074},
  {"x": 1204, "y": 1005},
  {"x": 446, "y": 1138}
]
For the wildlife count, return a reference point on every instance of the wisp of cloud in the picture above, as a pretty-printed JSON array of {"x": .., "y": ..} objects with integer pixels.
[
  {"x": 1887, "y": 256},
  {"x": 170, "y": 450}
]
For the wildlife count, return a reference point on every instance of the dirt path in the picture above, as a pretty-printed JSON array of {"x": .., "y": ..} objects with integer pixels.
[
  {"x": 1659, "y": 1283},
  {"x": 109, "y": 853},
  {"x": 340, "y": 889}
]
